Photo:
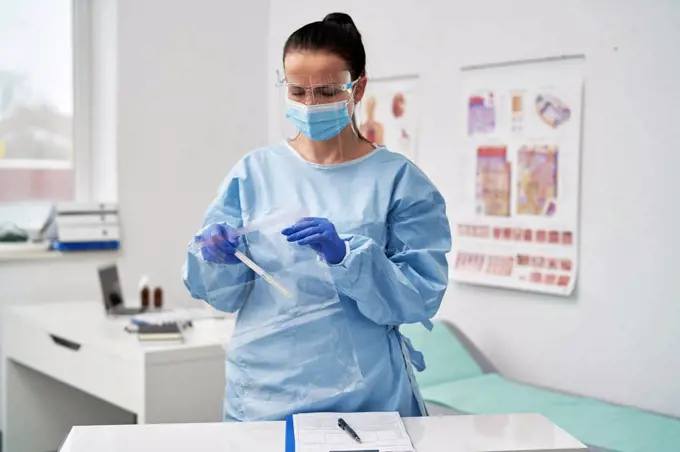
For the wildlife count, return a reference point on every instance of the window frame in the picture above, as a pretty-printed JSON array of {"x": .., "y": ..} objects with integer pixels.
[{"x": 82, "y": 98}]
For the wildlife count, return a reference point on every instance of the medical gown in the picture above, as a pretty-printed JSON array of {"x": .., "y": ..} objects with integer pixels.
[{"x": 394, "y": 221}]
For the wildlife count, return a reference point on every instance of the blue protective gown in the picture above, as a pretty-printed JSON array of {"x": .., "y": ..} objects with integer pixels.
[{"x": 396, "y": 272}]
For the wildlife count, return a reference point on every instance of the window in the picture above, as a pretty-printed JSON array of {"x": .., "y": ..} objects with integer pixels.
[{"x": 37, "y": 102}]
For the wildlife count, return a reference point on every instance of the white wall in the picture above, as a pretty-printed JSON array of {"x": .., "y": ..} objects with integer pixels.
[
  {"x": 617, "y": 338},
  {"x": 191, "y": 101}
]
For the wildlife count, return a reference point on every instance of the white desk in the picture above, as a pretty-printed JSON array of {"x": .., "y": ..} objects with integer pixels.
[
  {"x": 496, "y": 433},
  {"x": 50, "y": 349}
]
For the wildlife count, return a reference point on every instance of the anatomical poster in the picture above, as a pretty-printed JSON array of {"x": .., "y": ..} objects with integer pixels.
[
  {"x": 516, "y": 215},
  {"x": 388, "y": 114}
]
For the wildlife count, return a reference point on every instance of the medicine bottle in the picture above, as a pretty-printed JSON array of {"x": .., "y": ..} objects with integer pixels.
[
  {"x": 144, "y": 292},
  {"x": 158, "y": 298}
]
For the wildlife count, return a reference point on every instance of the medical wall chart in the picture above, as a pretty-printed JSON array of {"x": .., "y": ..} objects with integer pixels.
[
  {"x": 388, "y": 114},
  {"x": 516, "y": 216}
]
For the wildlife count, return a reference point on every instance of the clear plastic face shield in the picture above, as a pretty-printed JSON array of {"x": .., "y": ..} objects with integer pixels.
[
  {"x": 292, "y": 348},
  {"x": 317, "y": 107}
]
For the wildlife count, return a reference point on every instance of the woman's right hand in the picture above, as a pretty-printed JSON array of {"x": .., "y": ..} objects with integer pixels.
[{"x": 219, "y": 242}]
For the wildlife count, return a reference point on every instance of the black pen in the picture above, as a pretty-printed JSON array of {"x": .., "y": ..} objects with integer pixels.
[{"x": 343, "y": 425}]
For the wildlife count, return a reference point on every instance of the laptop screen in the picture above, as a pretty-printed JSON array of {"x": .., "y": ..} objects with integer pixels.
[{"x": 110, "y": 284}]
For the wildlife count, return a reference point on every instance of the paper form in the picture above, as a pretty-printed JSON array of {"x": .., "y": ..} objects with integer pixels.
[{"x": 380, "y": 432}]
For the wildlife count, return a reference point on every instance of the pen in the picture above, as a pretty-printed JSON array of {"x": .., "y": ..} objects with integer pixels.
[{"x": 343, "y": 425}]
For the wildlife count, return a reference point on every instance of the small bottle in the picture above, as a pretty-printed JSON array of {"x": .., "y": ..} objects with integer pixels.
[
  {"x": 158, "y": 298},
  {"x": 144, "y": 292}
]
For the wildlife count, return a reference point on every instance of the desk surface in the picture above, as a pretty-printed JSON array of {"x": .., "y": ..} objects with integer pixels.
[
  {"x": 86, "y": 323},
  {"x": 489, "y": 433}
]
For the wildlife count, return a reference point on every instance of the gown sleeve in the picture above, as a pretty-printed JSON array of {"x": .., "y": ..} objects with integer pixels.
[
  {"x": 405, "y": 281},
  {"x": 223, "y": 286}
]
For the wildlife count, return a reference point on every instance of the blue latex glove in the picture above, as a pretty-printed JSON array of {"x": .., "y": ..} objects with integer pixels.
[
  {"x": 219, "y": 244},
  {"x": 321, "y": 236}
]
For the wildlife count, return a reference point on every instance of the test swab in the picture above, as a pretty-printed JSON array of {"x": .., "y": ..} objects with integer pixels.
[
  {"x": 255, "y": 226},
  {"x": 254, "y": 267},
  {"x": 263, "y": 274}
]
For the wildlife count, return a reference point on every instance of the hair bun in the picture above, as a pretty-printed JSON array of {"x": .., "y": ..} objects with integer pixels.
[{"x": 342, "y": 19}]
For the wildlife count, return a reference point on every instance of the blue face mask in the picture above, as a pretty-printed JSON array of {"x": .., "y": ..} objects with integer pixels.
[{"x": 319, "y": 122}]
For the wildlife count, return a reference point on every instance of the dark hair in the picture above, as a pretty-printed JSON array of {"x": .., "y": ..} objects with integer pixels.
[{"x": 336, "y": 34}]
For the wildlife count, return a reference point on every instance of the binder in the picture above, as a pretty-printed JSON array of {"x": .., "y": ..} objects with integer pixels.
[
  {"x": 71, "y": 208},
  {"x": 87, "y": 223},
  {"x": 74, "y": 234},
  {"x": 87, "y": 219},
  {"x": 167, "y": 332},
  {"x": 85, "y": 246}
]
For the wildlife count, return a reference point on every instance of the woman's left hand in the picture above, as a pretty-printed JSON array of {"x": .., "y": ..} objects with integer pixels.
[{"x": 321, "y": 236}]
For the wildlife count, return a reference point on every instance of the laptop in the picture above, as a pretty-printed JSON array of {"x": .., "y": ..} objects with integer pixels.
[{"x": 112, "y": 292}]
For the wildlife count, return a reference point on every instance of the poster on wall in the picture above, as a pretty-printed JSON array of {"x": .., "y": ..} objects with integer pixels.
[
  {"x": 388, "y": 114},
  {"x": 517, "y": 213}
]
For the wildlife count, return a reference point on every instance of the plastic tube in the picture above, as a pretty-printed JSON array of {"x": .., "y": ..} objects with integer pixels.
[
  {"x": 263, "y": 274},
  {"x": 270, "y": 221}
]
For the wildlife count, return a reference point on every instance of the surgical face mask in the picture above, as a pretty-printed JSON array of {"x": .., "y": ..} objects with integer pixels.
[{"x": 319, "y": 122}]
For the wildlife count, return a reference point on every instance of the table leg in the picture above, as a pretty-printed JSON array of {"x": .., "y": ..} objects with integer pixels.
[{"x": 187, "y": 391}]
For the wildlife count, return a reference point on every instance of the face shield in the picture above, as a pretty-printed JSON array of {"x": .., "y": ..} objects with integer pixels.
[{"x": 316, "y": 106}]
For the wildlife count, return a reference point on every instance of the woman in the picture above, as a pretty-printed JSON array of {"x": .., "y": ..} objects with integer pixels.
[{"x": 380, "y": 231}]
